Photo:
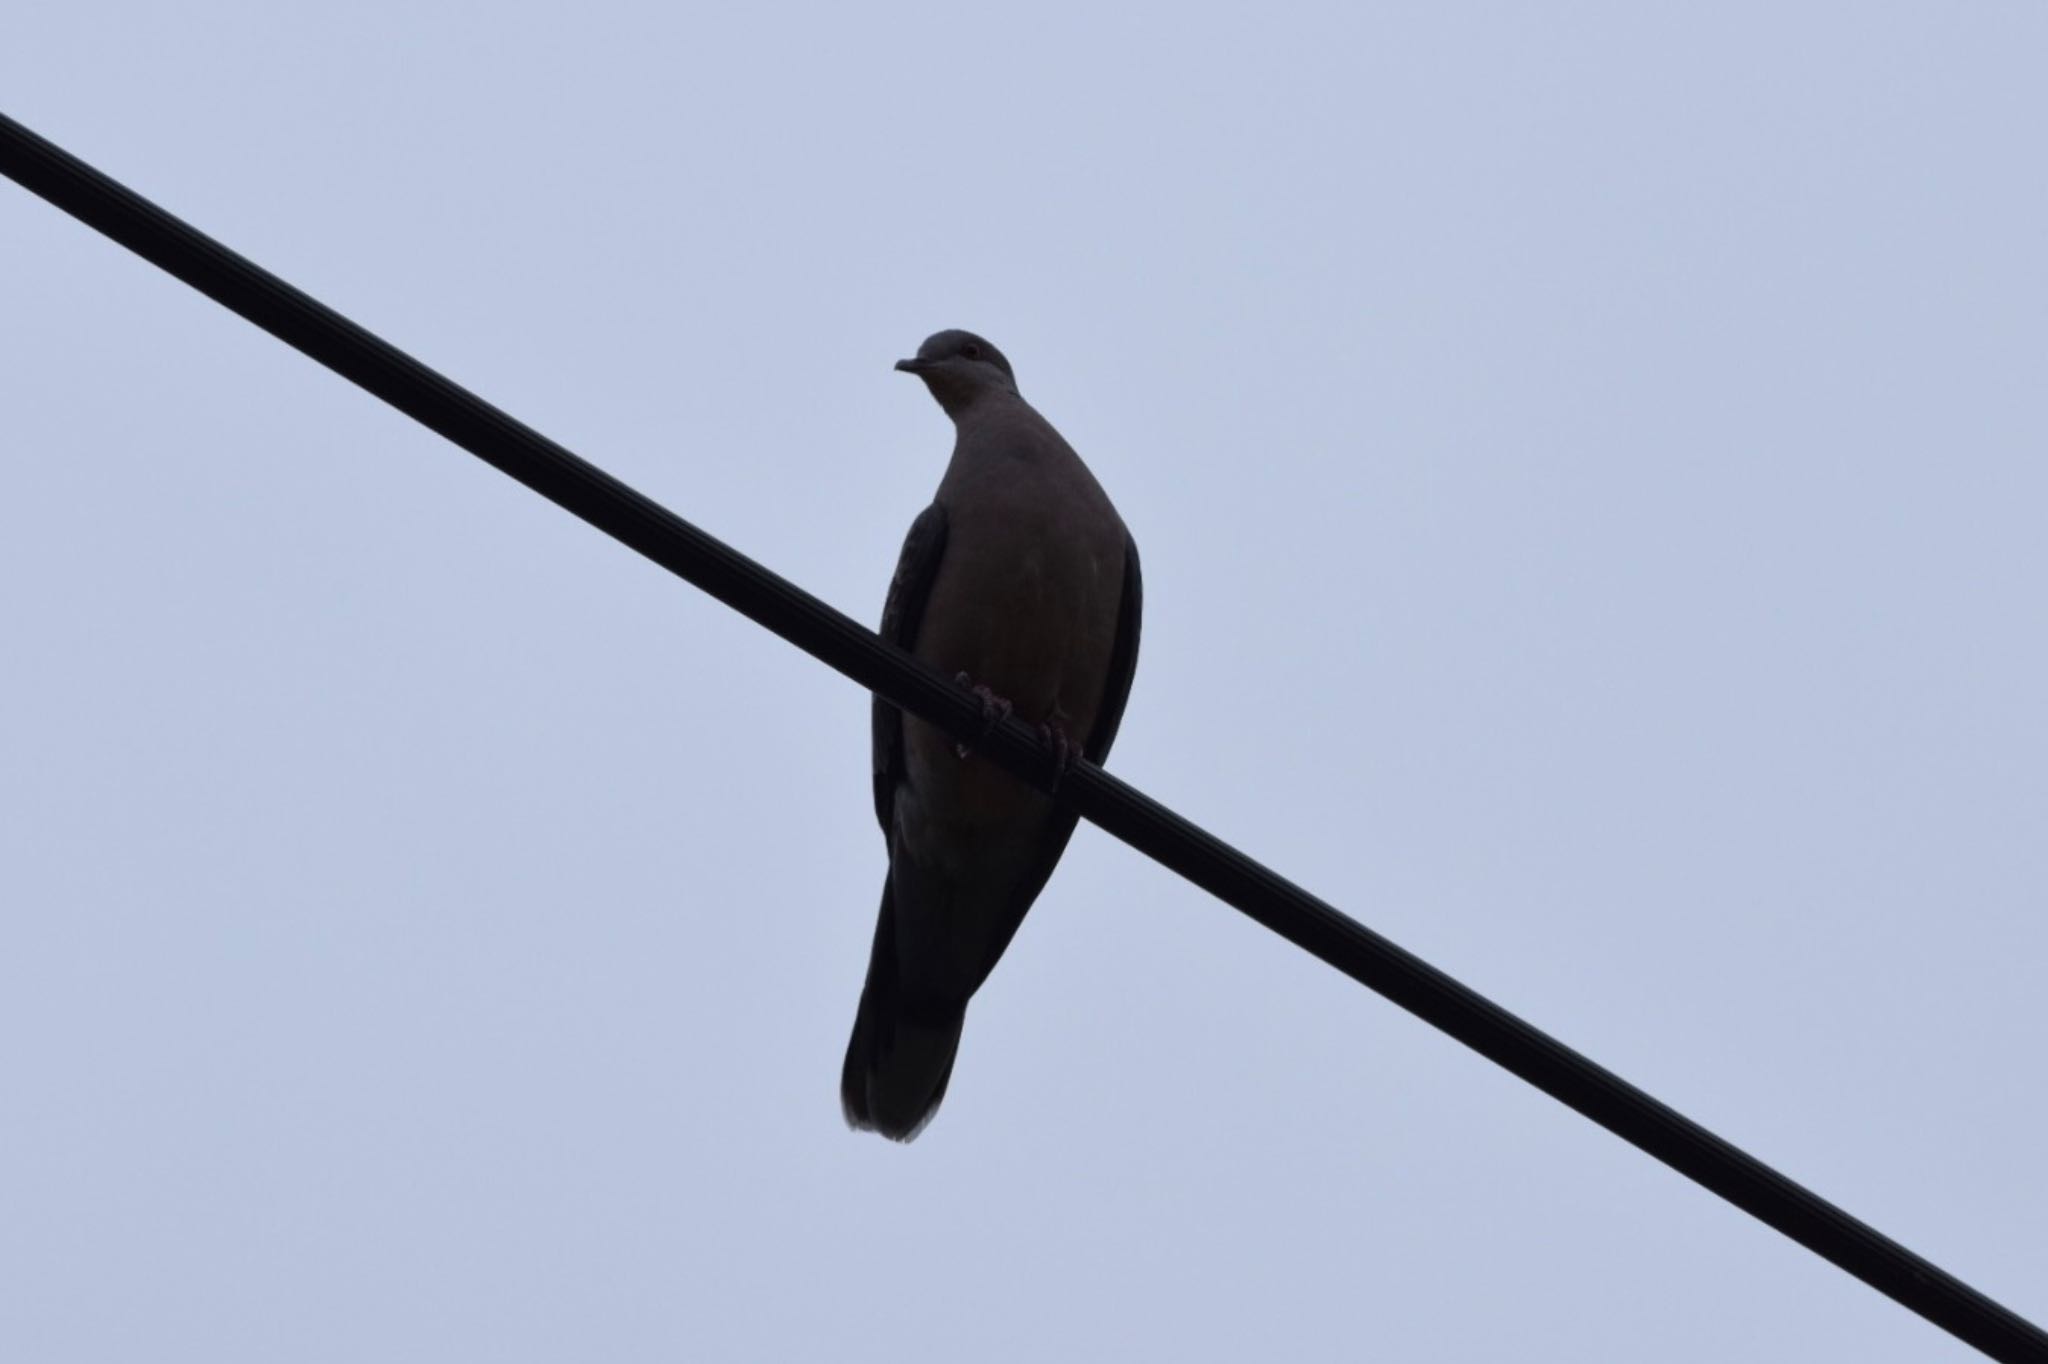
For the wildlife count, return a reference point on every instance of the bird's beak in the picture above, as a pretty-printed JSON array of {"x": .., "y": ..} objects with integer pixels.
[{"x": 913, "y": 366}]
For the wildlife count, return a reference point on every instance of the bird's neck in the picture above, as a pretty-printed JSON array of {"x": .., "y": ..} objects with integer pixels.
[
  {"x": 992, "y": 410},
  {"x": 1003, "y": 432}
]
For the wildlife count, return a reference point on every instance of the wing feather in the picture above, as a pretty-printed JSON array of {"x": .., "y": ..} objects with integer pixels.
[{"x": 911, "y": 587}]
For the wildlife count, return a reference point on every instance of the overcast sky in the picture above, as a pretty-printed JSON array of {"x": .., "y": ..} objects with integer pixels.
[{"x": 1589, "y": 464}]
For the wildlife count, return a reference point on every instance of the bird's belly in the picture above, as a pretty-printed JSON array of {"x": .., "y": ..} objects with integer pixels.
[
  {"x": 955, "y": 801},
  {"x": 968, "y": 837}
]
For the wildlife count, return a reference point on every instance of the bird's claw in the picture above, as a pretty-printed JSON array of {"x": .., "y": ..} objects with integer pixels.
[
  {"x": 1055, "y": 733},
  {"x": 994, "y": 710}
]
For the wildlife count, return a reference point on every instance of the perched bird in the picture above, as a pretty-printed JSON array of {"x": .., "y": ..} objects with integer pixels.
[{"x": 1021, "y": 580}]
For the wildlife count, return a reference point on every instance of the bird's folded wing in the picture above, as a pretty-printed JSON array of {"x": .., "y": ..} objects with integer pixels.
[
  {"x": 1123, "y": 660},
  {"x": 909, "y": 590}
]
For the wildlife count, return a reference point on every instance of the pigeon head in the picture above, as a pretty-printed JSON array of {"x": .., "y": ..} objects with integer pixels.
[{"x": 959, "y": 367}]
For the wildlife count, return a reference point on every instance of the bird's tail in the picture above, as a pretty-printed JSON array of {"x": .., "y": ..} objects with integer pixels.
[{"x": 901, "y": 1053}]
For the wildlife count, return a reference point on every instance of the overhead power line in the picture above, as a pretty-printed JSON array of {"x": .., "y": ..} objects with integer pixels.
[{"x": 1129, "y": 814}]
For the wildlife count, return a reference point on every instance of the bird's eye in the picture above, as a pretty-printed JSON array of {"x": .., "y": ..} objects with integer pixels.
[{"x": 971, "y": 351}]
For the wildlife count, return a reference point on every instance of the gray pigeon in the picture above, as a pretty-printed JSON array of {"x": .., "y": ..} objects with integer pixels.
[{"x": 1021, "y": 580}]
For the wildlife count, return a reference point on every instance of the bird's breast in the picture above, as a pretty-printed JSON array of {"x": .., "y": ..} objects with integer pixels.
[
  {"x": 1025, "y": 603},
  {"x": 1027, "y": 609}
]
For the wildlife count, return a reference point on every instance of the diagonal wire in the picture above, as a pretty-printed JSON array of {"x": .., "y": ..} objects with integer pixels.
[{"x": 1129, "y": 814}]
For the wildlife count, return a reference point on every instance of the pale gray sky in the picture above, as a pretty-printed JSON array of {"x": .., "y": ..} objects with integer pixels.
[{"x": 1589, "y": 462}]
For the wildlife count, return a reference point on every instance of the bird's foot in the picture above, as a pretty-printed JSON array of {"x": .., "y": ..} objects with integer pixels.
[
  {"x": 1064, "y": 748},
  {"x": 994, "y": 710}
]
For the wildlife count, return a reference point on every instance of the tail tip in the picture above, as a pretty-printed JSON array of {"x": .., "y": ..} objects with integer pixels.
[{"x": 896, "y": 1073}]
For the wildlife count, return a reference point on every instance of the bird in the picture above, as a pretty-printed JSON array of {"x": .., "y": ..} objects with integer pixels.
[{"x": 1021, "y": 581}]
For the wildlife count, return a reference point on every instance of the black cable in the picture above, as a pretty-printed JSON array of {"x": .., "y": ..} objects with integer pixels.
[{"x": 1143, "y": 823}]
